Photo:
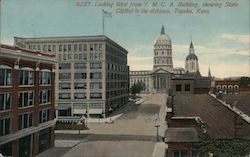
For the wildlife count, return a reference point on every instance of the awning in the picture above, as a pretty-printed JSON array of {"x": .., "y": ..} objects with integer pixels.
[
  {"x": 63, "y": 106},
  {"x": 70, "y": 119}
]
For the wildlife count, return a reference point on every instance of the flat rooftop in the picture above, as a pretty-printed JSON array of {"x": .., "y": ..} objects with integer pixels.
[{"x": 220, "y": 121}]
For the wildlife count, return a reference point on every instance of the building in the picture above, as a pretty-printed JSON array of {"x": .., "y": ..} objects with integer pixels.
[
  {"x": 27, "y": 109},
  {"x": 158, "y": 79},
  {"x": 200, "y": 123},
  {"x": 191, "y": 63},
  {"x": 91, "y": 73}
]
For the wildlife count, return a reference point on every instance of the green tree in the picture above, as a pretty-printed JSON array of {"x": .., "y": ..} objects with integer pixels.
[
  {"x": 245, "y": 81},
  {"x": 137, "y": 88}
]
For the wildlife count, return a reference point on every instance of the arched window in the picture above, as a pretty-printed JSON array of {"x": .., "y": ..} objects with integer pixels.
[
  {"x": 218, "y": 88},
  {"x": 5, "y": 75},
  {"x": 236, "y": 89},
  {"x": 224, "y": 89},
  {"x": 26, "y": 76},
  {"x": 230, "y": 89}
]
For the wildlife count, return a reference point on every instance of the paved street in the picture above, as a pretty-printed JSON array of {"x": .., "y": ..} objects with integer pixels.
[{"x": 137, "y": 124}]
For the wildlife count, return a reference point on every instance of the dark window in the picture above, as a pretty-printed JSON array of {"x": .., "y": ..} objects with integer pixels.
[
  {"x": 187, "y": 87},
  {"x": 95, "y": 65},
  {"x": 44, "y": 139},
  {"x": 64, "y": 76},
  {"x": 5, "y": 126},
  {"x": 80, "y": 96},
  {"x": 96, "y": 75},
  {"x": 6, "y": 149},
  {"x": 25, "y": 98},
  {"x": 65, "y": 66},
  {"x": 25, "y": 120},
  {"x": 44, "y": 115},
  {"x": 178, "y": 87},
  {"x": 80, "y": 66},
  {"x": 95, "y": 95},
  {"x": 80, "y": 75},
  {"x": 45, "y": 78},
  {"x": 64, "y": 96},
  {"x": 26, "y": 77},
  {"x": 45, "y": 96},
  {"x": 5, "y": 101},
  {"x": 64, "y": 86},
  {"x": 80, "y": 85},
  {"x": 5, "y": 77}
]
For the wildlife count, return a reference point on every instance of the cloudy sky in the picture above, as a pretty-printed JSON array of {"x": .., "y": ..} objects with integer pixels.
[{"x": 221, "y": 38}]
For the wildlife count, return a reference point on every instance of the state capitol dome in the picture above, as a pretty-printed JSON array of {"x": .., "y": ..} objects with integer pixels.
[{"x": 163, "y": 39}]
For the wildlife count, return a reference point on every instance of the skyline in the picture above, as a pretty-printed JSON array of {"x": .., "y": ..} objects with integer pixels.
[{"x": 221, "y": 38}]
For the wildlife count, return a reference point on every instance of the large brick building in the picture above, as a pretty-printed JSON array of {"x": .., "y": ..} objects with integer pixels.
[{"x": 27, "y": 110}]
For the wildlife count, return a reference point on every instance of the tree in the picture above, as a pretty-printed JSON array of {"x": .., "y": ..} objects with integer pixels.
[
  {"x": 245, "y": 81},
  {"x": 137, "y": 88}
]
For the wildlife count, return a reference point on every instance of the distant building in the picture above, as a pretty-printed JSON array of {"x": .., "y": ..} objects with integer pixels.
[
  {"x": 191, "y": 63},
  {"x": 227, "y": 86},
  {"x": 92, "y": 75},
  {"x": 26, "y": 101}
]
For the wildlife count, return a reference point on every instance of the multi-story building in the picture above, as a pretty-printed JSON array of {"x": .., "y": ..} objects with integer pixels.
[
  {"x": 26, "y": 101},
  {"x": 92, "y": 75}
]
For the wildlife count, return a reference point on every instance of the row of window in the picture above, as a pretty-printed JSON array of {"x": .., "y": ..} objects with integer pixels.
[
  {"x": 63, "y": 66},
  {"x": 25, "y": 120},
  {"x": 25, "y": 98},
  {"x": 80, "y": 56},
  {"x": 25, "y": 77},
  {"x": 67, "y": 48},
  {"x": 66, "y": 76},
  {"x": 80, "y": 96},
  {"x": 93, "y": 85},
  {"x": 85, "y": 105}
]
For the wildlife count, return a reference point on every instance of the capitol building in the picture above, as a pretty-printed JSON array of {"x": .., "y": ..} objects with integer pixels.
[{"x": 164, "y": 76}]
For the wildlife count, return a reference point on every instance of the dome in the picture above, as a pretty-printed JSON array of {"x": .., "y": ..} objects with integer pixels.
[
  {"x": 191, "y": 56},
  {"x": 163, "y": 39}
]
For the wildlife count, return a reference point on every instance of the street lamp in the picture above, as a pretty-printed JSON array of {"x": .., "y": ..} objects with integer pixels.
[{"x": 157, "y": 125}]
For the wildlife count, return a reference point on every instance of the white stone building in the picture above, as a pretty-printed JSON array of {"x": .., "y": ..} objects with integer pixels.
[{"x": 92, "y": 75}]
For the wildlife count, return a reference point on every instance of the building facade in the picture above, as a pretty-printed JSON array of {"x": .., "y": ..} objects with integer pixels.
[
  {"x": 92, "y": 75},
  {"x": 27, "y": 109},
  {"x": 158, "y": 79}
]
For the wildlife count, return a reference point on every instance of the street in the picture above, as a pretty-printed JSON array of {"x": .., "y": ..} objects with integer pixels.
[{"x": 136, "y": 125}]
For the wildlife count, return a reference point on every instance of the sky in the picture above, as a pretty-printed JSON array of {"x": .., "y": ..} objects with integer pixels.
[{"x": 221, "y": 38}]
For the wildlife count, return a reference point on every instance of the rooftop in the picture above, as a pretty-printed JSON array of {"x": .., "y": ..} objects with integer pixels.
[{"x": 219, "y": 120}]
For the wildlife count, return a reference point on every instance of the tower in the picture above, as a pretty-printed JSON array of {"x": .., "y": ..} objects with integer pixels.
[
  {"x": 163, "y": 52},
  {"x": 191, "y": 63}
]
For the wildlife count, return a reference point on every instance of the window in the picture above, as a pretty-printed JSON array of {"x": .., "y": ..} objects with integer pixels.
[
  {"x": 69, "y": 48},
  {"x": 39, "y": 47},
  {"x": 45, "y": 96},
  {"x": 180, "y": 153},
  {"x": 54, "y": 48},
  {"x": 80, "y": 96},
  {"x": 26, "y": 77},
  {"x": 25, "y": 120},
  {"x": 178, "y": 87},
  {"x": 64, "y": 86},
  {"x": 80, "y": 47},
  {"x": 5, "y": 126},
  {"x": 80, "y": 75},
  {"x": 64, "y": 96},
  {"x": 80, "y": 106},
  {"x": 45, "y": 78},
  {"x": 5, "y": 77},
  {"x": 96, "y": 85},
  {"x": 95, "y": 105},
  {"x": 100, "y": 47},
  {"x": 95, "y": 95},
  {"x": 44, "y": 115},
  {"x": 25, "y": 98},
  {"x": 5, "y": 101},
  {"x": 60, "y": 48},
  {"x": 44, "y": 48},
  {"x": 75, "y": 47},
  {"x": 187, "y": 87},
  {"x": 64, "y": 48},
  {"x": 65, "y": 66},
  {"x": 85, "y": 47},
  {"x": 91, "y": 47},
  {"x": 64, "y": 76},
  {"x": 96, "y": 75},
  {"x": 49, "y": 48},
  {"x": 95, "y": 65},
  {"x": 80, "y": 85},
  {"x": 80, "y": 66}
]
